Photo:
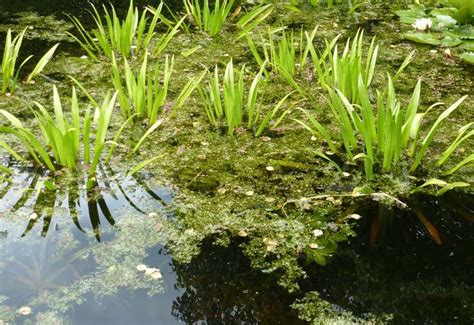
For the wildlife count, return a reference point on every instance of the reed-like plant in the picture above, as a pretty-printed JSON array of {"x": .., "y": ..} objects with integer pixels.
[
  {"x": 10, "y": 71},
  {"x": 62, "y": 136},
  {"x": 207, "y": 19},
  {"x": 229, "y": 101},
  {"x": 253, "y": 18},
  {"x": 286, "y": 52},
  {"x": 145, "y": 94},
  {"x": 128, "y": 37},
  {"x": 383, "y": 133},
  {"x": 342, "y": 70}
]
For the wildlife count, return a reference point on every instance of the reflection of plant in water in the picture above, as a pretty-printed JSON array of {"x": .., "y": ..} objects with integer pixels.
[
  {"x": 105, "y": 268},
  {"x": 49, "y": 266},
  {"x": 115, "y": 266},
  {"x": 220, "y": 289},
  {"x": 420, "y": 280},
  {"x": 49, "y": 195}
]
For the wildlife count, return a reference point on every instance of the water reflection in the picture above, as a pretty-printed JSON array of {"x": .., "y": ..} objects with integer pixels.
[
  {"x": 221, "y": 288},
  {"x": 41, "y": 195}
]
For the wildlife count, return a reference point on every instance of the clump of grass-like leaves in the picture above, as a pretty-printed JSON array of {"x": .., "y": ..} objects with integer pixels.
[
  {"x": 207, "y": 19},
  {"x": 9, "y": 69},
  {"x": 285, "y": 51},
  {"x": 145, "y": 94},
  {"x": 62, "y": 136},
  {"x": 128, "y": 37},
  {"x": 385, "y": 132},
  {"x": 229, "y": 101},
  {"x": 342, "y": 70}
]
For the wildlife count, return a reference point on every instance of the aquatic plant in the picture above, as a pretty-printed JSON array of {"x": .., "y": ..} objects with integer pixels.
[
  {"x": 386, "y": 131},
  {"x": 207, "y": 20},
  {"x": 128, "y": 37},
  {"x": 254, "y": 17},
  {"x": 145, "y": 94},
  {"x": 449, "y": 25},
  {"x": 228, "y": 103},
  {"x": 286, "y": 52},
  {"x": 10, "y": 71},
  {"x": 342, "y": 70},
  {"x": 63, "y": 135}
]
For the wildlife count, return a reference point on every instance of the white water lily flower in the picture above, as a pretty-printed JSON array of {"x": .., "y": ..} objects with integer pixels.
[{"x": 423, "y": 24}]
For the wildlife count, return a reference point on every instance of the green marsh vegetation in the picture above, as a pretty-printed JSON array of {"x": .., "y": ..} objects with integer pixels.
[
  {"x": 10, "y": 68},
  {"x": 289, "y": 198},
  {"x": 128, "y": 37}
]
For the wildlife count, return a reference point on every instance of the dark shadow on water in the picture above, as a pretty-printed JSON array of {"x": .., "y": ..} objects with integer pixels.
[
  {"x": 405, "y": 272},
  {"x": 221, "y": 288},
  {"x": 217, "y": 287}
]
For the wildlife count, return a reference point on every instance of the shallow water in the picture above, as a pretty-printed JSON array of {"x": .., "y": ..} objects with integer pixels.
[{"x": 63, "y": 270}]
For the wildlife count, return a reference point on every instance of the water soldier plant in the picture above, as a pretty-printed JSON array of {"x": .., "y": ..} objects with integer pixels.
[
  {"x": 145, "y": 93},
  {"x": 63, "y": 136},
  {"x": 207, "y": 19},
  {"x": 11, "y": 53},
  {"x": 227, "y": 101},
  {"x": 385, "y": 133},
  {"x": 286, "y": 53},
  {"x": 128, "y": 38}
]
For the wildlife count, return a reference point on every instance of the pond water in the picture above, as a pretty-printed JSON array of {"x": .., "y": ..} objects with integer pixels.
[
  {"x": 82, "y": 269},
  {"x": 183, "y": 242}
]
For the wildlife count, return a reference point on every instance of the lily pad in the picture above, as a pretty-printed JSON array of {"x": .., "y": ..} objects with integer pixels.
[
  {"x": 464, "y": 32},
  {"x": 413, "y": 12},
  {"x": 468, "y": 57},
  {"x": 450, "y": 42},
  {"x": 423, "y": 38},
  {"x": 443, "y": 12},
  {"x": 468, "y": 45},
  {"x": 432, "y": 39}
]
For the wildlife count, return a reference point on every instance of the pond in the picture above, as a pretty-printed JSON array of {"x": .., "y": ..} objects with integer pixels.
[{"x": 187, "y": 212}]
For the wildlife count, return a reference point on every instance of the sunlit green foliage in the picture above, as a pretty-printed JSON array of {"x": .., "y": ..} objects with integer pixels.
[
  {"x": 382, "y": 133},
  {"x": 145, "y": 93},
  {"x": 9, "y": 69},
  {"x": 62, "y": 136},
  {"x": 207, "y": 19},
  {"x": 229, "y": 103},
  {"x": 128, "y": 37}
]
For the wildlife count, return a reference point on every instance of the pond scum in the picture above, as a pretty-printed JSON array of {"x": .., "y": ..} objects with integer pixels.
[{"x": 316, "y": 138}]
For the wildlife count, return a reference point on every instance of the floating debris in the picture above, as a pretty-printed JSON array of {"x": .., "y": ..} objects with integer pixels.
[
  {"x": 317, "y": 232},
  {"x": 25, "y": 310},
  {"x": 354, "y": 216}
]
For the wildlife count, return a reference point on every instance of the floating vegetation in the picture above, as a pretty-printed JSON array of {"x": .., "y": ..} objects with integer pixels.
[{"x": 446, "y": 26}]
